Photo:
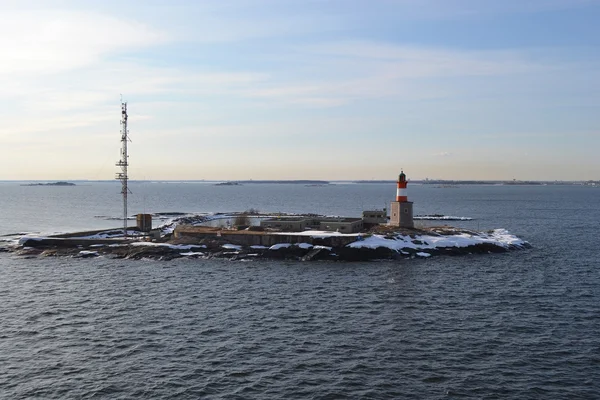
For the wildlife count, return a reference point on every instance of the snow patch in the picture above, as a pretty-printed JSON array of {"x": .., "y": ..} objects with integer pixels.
[
  {"x": 280, "y": 246},
  {"x": 498, "y": 237},
  {"x": 86, "y": 253},
  {"x": 192, "y": 253},
  {"x": 167, "y": 245},
  {"x": 316, "y": 234},
  {"x": 110, "y": 234},
  {"x": 232, "y": 246}
]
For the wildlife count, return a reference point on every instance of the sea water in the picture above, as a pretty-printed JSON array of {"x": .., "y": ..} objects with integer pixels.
[{"x": 522, "y": 324}]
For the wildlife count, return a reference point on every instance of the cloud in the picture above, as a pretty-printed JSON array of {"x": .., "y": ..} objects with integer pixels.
[
  {"x": 417, "y": 62},
  {"x": 47, "y": 42},
  {"x": 348, "y": 71},
  {"x": 443, "y": 154}
]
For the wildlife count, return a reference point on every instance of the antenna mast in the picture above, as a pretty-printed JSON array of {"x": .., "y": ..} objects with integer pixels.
[{"x": 123, "y": 163}]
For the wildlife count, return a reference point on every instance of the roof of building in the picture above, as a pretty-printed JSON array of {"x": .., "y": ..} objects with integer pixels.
[
  {"x": 320, "y": 219},
  {"x": 340, "y": 219},
  {"x": 286, "y": 219}
]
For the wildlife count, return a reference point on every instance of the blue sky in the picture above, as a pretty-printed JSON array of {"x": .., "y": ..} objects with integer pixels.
[{"x": 283, "y": 89}]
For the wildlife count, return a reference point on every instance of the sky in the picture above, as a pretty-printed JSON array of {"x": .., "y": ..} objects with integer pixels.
[{"x": 301, "y": 89}]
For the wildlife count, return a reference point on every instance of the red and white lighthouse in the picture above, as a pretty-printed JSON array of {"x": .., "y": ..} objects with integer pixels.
[
  {"x": 401, "y": 210},
  {"x": 401, "y": 195}
]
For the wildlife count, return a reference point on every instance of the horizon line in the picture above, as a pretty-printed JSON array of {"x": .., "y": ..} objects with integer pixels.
[{"x": 302, "y": 180}]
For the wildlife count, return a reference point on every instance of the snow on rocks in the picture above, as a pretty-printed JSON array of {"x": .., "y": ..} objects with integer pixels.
[
  {"x": 192, "y": 254},
  {"x": 87, "y": 254},
  {"x": 169, "y": 246},
  {"x": 458, "y": 239},
  {"x": 232, "y": 247},
  {"x": 280, "y": 246},
  {"x": 309, "y": 245},
  {"x": 316, "y": 234}
]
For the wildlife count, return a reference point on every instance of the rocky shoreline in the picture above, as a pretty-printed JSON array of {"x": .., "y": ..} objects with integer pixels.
[{"x": 384, "y": 246}]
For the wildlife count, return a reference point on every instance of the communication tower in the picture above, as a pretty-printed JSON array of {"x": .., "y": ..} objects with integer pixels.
[{"x": 123, "y": 163}]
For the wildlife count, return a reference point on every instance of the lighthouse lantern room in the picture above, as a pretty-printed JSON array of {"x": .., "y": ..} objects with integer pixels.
[{"x": 401, "y": 210}]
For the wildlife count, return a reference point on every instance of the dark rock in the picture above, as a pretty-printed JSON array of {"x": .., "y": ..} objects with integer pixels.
[
  {"x": 288, "y": 253},
  {"x": 316, "y": 254},
  {"x": 154, "y": 252},
  {"x": 218, "y": 254},
  {"x": 365, "y": 254},
  {"x": 28, "y": 251}
]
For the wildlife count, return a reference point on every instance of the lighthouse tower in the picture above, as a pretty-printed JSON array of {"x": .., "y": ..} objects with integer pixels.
[{"x": 401, "y": 210}]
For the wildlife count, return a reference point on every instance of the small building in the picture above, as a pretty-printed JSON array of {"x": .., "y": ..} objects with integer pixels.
[
  {"x": 144, "y": 222},
  {"x": 286, "y": 224},
  {"x": 343, "y": 225},
  {"x": 374, "y": 217},
  {"x": 299, "y": 224}
]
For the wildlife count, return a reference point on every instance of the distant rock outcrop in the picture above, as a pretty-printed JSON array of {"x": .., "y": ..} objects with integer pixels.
[{"x": 50, "y": 184}]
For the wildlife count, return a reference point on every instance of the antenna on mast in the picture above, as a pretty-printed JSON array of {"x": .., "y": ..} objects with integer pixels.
[{"x": 123, "y": 163}]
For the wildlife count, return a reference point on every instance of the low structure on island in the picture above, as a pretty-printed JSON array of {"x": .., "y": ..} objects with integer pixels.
[
  {"x": 369, "y": 219},
  {"x": 299, "y": 224},
  {"x": 373, "y": 218}
]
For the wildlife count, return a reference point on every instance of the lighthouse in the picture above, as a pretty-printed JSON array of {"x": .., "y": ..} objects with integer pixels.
[{"x": 401, "y": 210}]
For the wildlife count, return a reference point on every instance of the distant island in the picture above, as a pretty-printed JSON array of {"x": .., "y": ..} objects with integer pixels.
[
  {"x": 300, "y": 181},
  {"x": 228, "y": 184},
  {"x": 50, "y": 184},
  {"x": 375, "y": 181}
]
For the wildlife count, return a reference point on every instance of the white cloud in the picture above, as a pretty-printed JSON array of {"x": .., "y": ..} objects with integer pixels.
[
  {"x": 46, "y": 42},
  {"x": 343, "y": 72}
]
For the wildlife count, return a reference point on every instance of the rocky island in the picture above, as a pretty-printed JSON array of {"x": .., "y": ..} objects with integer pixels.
[
  {"x": 251, "y": 235},
  {"x": 251, "y": 244}
]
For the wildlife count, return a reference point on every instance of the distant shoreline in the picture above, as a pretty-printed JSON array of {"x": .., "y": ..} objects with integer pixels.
[{"x": 50, "y": 184}]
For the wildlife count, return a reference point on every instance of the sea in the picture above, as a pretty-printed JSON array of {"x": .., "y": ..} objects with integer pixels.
[{"x": 518, "y": 325}]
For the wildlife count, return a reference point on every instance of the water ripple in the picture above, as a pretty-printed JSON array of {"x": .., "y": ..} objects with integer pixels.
[{"x": 500, "y": 328}]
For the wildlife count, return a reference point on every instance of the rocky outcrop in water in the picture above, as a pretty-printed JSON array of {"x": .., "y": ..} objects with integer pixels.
[{"x": 371, "y": 248}]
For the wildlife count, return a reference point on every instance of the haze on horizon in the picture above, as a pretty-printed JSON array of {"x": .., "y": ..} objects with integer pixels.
[{"x": 272, "y": 89}]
